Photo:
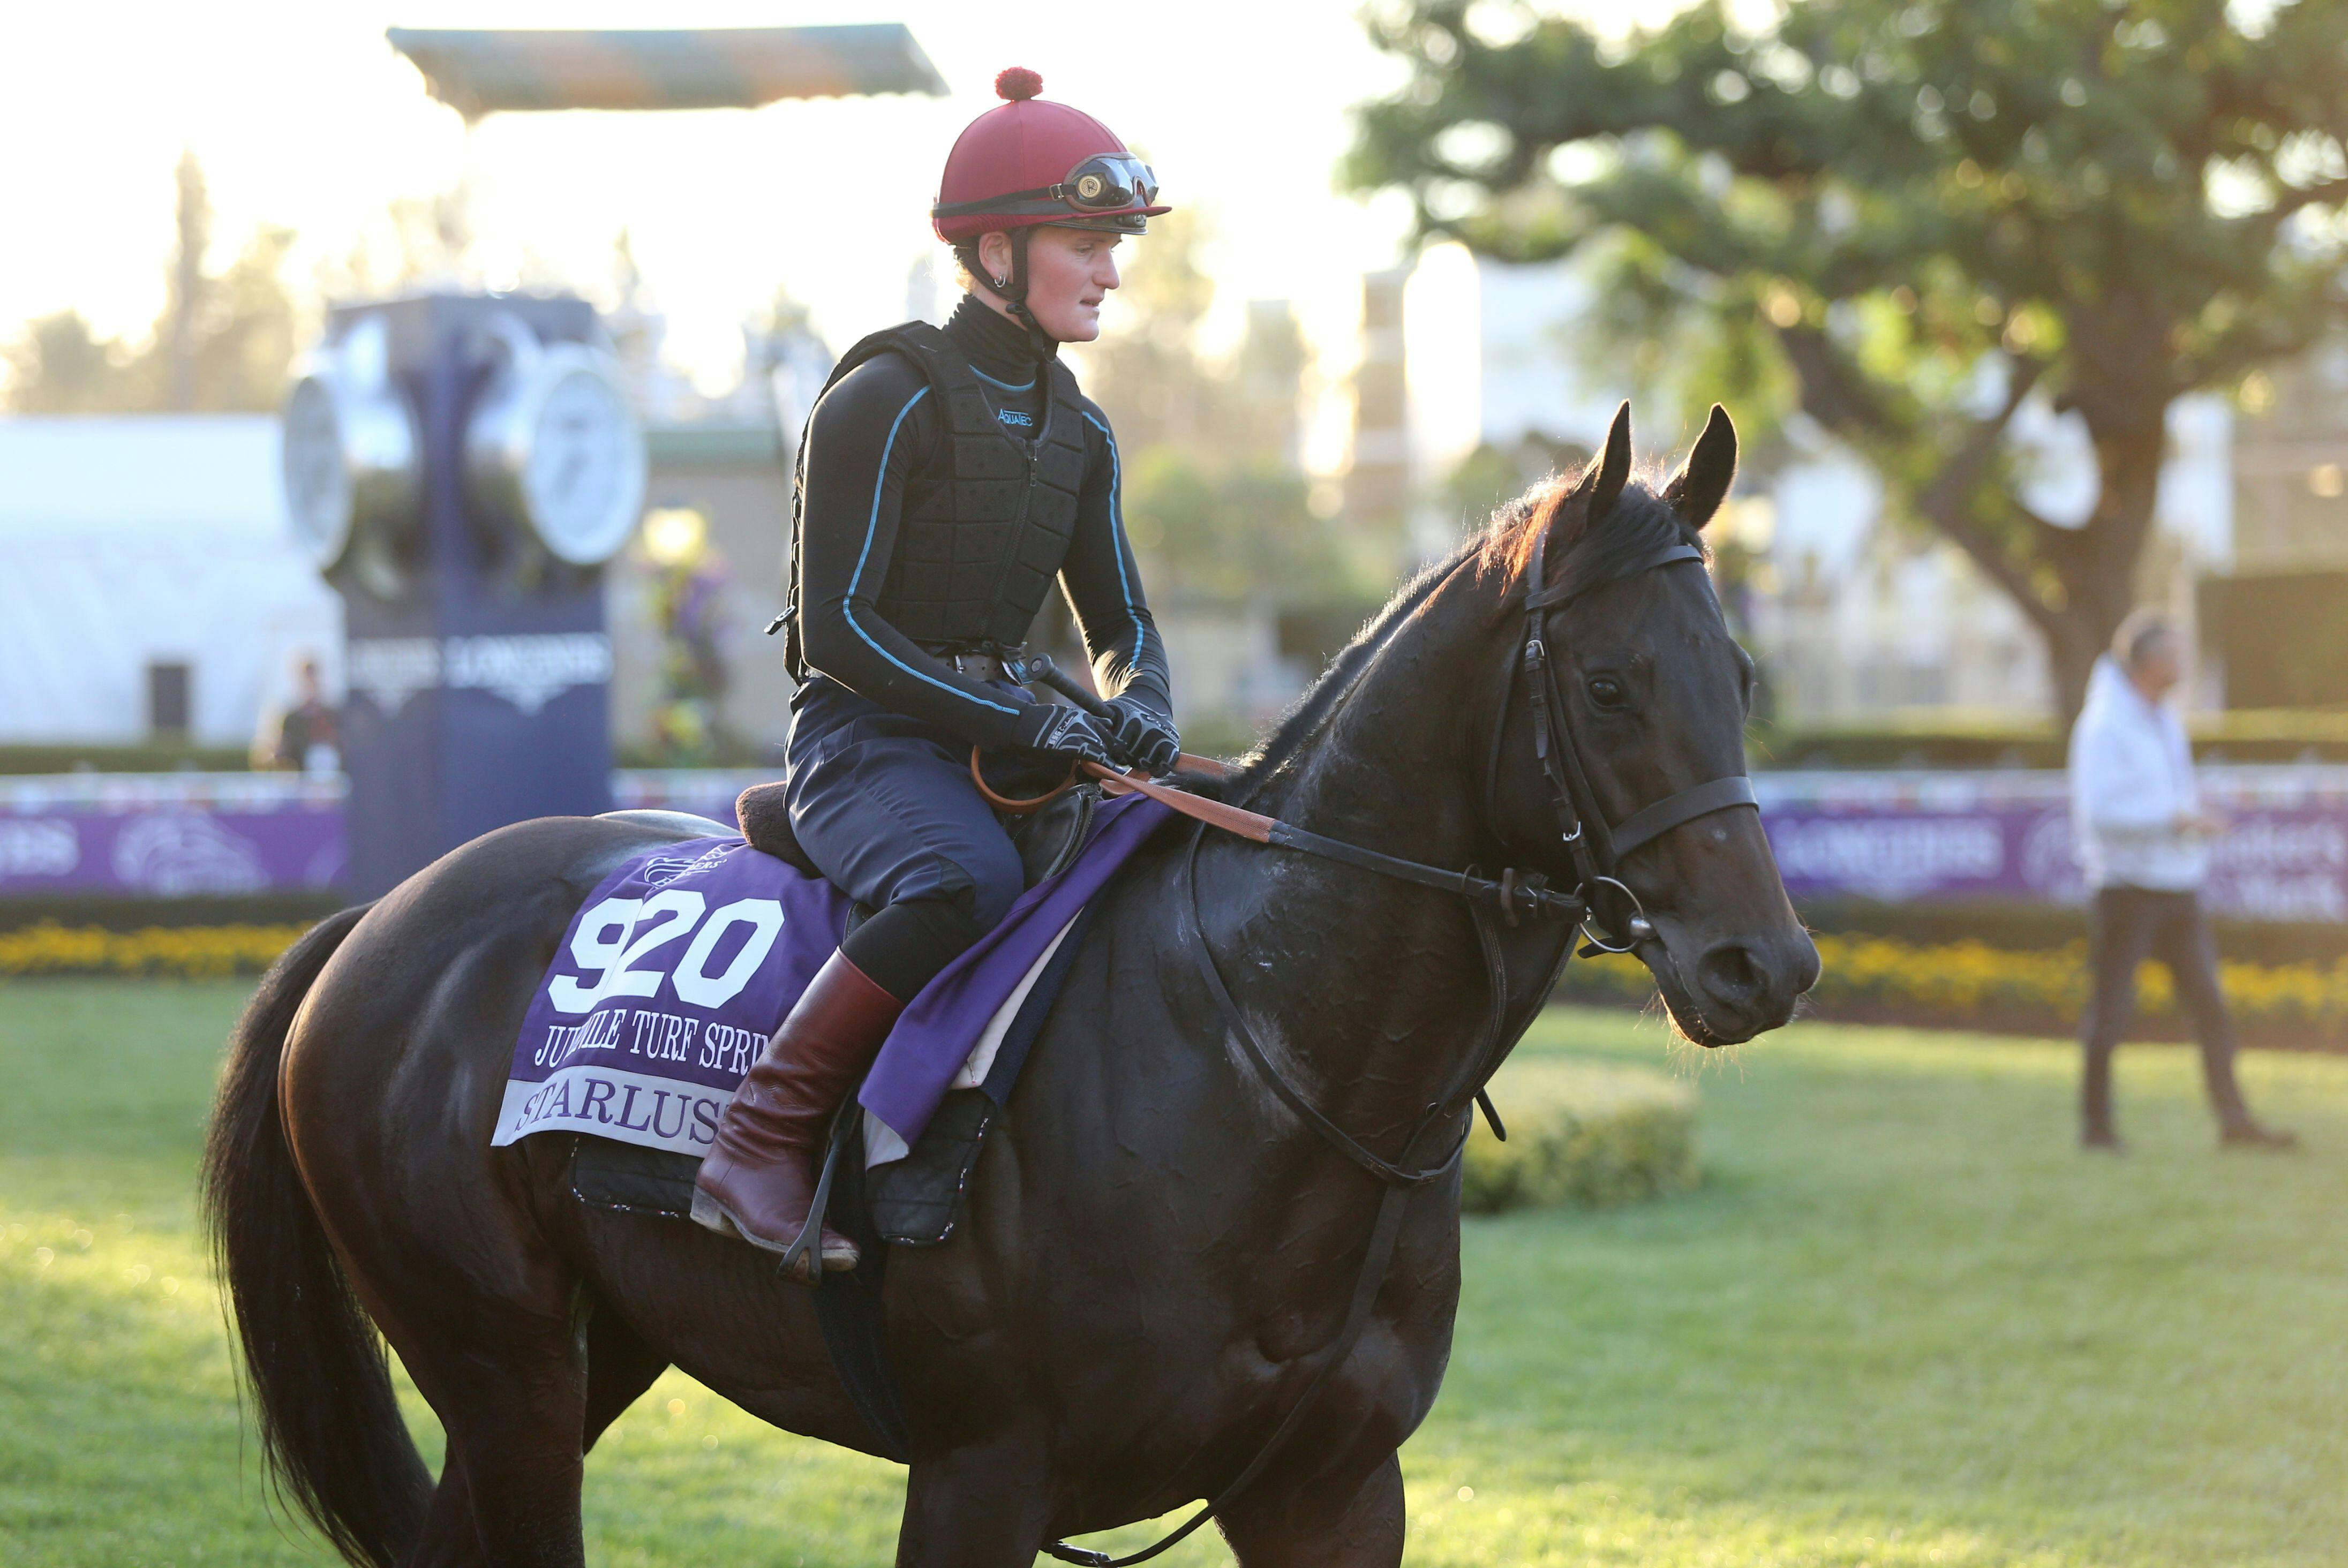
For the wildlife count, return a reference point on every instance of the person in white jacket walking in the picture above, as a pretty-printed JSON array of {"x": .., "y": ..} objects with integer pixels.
[{"x": 2143, "y": 841}]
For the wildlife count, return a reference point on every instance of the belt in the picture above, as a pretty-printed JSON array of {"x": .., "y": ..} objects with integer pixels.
[{"x": 983, "y": 664}]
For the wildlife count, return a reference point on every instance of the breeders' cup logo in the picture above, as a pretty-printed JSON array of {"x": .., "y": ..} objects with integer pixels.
[
  {"x": 663, "y": 870},
  {"x": 2050, "y": 859},
  {"x": 184, "y": 852}
]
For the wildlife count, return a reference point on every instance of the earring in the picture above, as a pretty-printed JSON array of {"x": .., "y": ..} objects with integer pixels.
[{"x": 1003, "y": 281}]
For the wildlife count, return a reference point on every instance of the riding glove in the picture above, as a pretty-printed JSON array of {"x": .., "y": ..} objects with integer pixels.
[
  {"x": 1072, "y": 732},
  {"x": 1145, "y": 734}
]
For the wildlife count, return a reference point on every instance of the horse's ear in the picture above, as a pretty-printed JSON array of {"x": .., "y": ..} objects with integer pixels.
[
  {"x": 1602, "y": 482},
  {"x": 1696, "y": 491},
  {"x": 1573, "y": 510}
]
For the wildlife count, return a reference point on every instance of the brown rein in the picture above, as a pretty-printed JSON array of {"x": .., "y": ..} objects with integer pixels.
[{"x": 1214, "y": 813}]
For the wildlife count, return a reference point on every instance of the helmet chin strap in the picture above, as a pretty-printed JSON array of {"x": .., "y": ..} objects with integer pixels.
[{"x": 1014, "y": 293}]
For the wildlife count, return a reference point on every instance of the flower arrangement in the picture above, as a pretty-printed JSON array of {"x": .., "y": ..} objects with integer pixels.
[{"x": 187, "y": 951}]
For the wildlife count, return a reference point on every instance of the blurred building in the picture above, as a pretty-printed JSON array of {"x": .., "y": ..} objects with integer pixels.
[
  {"x": 2276, "y": 626},
  {"x": 1378, "y": 481},
  {"x": 733, "y": 480},
  {"x": 153, "y": 590}
]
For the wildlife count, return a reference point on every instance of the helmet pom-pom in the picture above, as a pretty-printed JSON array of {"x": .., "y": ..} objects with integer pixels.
[{"x": 1017, "y": 83}]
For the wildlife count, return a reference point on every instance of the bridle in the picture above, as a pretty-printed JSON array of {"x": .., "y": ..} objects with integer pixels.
[{"x": 1595, "y": 849}]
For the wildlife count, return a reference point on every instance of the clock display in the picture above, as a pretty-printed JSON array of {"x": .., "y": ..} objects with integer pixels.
[
  {"x": 351, "y": 457},
  {"x": 554, "y": 446},
  {"x": 584, "y": 484}
]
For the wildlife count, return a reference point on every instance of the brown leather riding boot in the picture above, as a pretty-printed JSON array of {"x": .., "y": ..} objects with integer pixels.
[{"x": 759, "y": 1180}]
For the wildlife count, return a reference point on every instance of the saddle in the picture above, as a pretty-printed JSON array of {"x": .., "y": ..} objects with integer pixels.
[{"x": 1047, "y": 841}]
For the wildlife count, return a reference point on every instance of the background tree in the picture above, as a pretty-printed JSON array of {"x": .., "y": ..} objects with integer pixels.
[
  {"x": 57, "y": 365},
  {"x": 1910, "y": 216},
  {"x": 177, "y": 335},
  {"x": 222, "y": 342}
]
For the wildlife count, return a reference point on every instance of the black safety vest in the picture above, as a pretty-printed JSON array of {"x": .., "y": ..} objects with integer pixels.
[{"x": 988, "y": 517}]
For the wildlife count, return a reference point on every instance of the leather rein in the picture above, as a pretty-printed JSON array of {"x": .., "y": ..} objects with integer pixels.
[{"x": 1595, "y": 849}]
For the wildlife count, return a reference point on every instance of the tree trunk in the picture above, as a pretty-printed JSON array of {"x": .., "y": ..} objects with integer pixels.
[
  {"x": 2097, "y": 569},
  {"x": 193, "y": 217}
]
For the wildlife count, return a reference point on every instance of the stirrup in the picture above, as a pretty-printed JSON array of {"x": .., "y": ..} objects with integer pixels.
[{"x": 803, "y": 1259}]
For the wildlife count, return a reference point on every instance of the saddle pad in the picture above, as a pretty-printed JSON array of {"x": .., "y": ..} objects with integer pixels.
[
  {"x": 680, "y": 965},
  {"x": 914, "y": 1199}
]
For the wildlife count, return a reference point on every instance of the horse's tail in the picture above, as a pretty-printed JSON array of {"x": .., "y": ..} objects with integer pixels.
[{"x": 329, "y": 1421}]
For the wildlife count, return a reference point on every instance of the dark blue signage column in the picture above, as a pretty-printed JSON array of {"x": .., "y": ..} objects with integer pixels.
[{"x": 462, "y": 466}]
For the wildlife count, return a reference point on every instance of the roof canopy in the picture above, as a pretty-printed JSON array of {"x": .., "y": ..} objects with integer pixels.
[{"x": 479, "y": 73}]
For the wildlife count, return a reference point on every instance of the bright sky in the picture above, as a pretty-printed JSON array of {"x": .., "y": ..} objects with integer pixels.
[{"x": 304, "y": 115}]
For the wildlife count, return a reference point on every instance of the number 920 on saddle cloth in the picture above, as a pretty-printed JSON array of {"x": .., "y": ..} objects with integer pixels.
[{"x": 682, "y": 961}]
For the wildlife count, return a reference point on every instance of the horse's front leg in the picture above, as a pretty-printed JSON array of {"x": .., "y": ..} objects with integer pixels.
[
  {"x": 984, "y": 1506},
  {"x": 1331, "y": 1519}
]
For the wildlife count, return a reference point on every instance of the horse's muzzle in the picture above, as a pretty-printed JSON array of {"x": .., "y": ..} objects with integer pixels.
[{"x": 1745, "y": 985}]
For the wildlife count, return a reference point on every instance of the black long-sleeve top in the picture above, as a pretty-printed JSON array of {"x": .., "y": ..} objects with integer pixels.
[{"x": 872, "y": 430}]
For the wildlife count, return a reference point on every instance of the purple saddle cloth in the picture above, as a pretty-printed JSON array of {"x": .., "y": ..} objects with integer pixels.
[{"x": 680, "y": 965}]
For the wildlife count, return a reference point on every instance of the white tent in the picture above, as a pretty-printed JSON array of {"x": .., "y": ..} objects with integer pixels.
[{"x": 136, "y": 539}]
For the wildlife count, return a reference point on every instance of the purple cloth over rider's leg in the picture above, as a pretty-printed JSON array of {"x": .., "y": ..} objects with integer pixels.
[{"x": 932, "y": 1036}]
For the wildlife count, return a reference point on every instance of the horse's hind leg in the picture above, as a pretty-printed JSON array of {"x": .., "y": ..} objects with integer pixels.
[
  {"x": 620, "y": 1367},
  {"x": 515, "y": 1410},
  {"x": 1326, "y": 1521}
]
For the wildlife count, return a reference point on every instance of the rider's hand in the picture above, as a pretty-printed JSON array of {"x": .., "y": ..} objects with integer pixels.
[
  {"x": 1072, "y": 732},
  {"x": 1145, "y": 734}
]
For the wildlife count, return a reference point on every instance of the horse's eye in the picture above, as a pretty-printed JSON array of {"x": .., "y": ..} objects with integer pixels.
[{"x": 1607, "y": 692}]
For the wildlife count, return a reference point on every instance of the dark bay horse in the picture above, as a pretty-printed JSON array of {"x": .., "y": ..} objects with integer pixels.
[{"x": 1156, "y": 1247}]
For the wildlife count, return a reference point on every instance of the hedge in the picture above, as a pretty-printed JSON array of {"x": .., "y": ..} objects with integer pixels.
[
  {"x": 1582, "y": 1134},
  {"x": 1972, "y": 986}
]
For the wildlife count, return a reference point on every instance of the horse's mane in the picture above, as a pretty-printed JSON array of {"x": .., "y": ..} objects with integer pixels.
[{"x": 1637, "y": 523}]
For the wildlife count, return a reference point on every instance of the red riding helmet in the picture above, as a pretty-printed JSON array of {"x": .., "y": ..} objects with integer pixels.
[{"x": 1029, "y": 162}]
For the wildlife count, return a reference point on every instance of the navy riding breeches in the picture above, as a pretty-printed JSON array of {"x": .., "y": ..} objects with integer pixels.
[{"x": 884, "y": 806}]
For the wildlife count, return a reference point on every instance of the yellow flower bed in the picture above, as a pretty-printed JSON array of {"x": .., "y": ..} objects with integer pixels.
[
  {"x": 185, "y": 952},
  {"x": 1962, "y": 983},
  {"x": 1957, "y": 983}
]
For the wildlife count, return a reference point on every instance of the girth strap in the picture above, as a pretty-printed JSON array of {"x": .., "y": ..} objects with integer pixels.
[{"x": 1654, "y": 822}]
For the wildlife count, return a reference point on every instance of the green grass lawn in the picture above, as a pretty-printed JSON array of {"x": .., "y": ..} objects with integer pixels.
[{"x": 1903, "y": 1322}]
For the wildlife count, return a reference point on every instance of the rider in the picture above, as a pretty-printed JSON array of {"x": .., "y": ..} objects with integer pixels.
[{"x": 945, "y": 478}]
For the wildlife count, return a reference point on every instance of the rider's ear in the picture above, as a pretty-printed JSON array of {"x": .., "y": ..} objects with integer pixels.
[{"x": 1696, "y": 491}]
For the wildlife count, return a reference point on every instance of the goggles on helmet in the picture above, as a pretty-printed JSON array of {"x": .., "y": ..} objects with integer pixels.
[{"x": 1106, "y": 182}]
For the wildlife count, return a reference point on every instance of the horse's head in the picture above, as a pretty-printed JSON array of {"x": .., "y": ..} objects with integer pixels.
[{"x": 1653, "y": 693}]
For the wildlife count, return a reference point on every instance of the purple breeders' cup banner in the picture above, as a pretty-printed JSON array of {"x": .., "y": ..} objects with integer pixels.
[
  {"x": 169, "y": 835},
  {"x": 680, "y": 965},
  {"x": 1911, "y": 837},
  {"x": 1915, "y": 835}
]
